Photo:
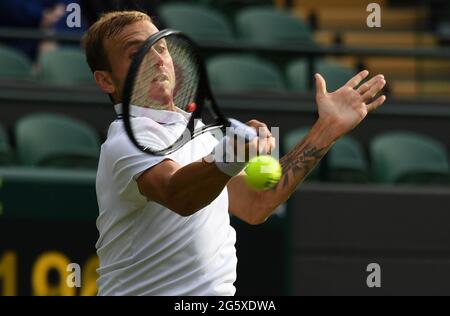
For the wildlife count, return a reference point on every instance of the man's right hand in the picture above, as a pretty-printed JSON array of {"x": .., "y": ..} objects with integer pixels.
[{"x": 264, "y": 144}]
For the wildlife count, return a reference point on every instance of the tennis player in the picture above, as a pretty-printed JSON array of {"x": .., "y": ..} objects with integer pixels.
[{"x": 164, "y": 221}]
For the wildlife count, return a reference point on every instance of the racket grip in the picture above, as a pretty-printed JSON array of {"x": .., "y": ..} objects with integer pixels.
[{"x": 242, "y": 130}]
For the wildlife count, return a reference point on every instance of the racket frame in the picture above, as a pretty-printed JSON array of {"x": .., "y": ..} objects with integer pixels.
[{"x": 203, "y": 95}]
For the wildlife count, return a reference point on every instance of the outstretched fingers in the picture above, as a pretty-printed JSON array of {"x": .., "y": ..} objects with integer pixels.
[
  {"x": 373, "y": 90},
  {"x": 352, "y": 83},
  {"x": 377, "y": 103},
  {"x": 367, "y": 85}
]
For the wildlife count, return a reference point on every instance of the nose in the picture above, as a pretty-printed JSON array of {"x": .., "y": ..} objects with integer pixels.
[{"x": 157, "y": 59}]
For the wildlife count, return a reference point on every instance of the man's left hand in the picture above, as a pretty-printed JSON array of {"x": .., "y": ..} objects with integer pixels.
[{"x": 342, "y": 110}]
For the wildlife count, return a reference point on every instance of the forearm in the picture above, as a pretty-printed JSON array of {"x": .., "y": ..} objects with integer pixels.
[
  {"x": 194, "y": 186},
  {"x": 296, "y": 165},
  {"x": 339, "y": 112}
]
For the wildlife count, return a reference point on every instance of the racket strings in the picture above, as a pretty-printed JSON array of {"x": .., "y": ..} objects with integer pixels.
[
  {"x": 186, "y": 71},
  {"x": 182, "y": 64}
]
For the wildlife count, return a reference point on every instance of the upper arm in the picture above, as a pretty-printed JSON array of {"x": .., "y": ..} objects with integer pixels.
[
  {"x": 128, "y": 164},
  {"x": 153, "y": 183}
]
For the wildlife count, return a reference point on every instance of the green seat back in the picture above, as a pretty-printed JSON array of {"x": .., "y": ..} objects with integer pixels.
[
  {"x": 198, "y": 21},
  {"x": 268, "y": 26},
  {"x": 346, "y": 162},
  {"x": 297, "y": 75},
  {"x": 56, "y": 140},
  {"x": 14, "y": 65},
  {"x": 238, "y": 73},
  {"x": 64, "y": 66},
  {"x": 335, "y": 75},
  {"x": 406, "y": 157}
]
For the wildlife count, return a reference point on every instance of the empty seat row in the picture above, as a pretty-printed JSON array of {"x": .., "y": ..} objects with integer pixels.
[
  {"x": 262, "y": 25},
  {"x": 267, "y": 25},
  {"x": 241, "y": 72},
  {"x": 14, "y": 65},
  {"x": 47, "y": 139},
  {"x": 232, "y": 72},
  {"x": 396, "y": 157},
  {"x": 60, "y": 66},
  {"x": 67, "y": 65},
  {"x": 270, "y": 27}
]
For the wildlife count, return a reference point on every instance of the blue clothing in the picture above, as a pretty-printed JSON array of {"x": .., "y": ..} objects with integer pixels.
[{"x": 28, "y": 14}]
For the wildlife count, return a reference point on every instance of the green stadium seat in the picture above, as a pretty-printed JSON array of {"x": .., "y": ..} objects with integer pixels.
[
  {"x": 53, "y": 140},
  {"x": 14, "y": 65},
  {"x": 198, "y": 21},
  {"x": 346, "y": 162},
  {"x": 64, "y": 66},
  {"x": 297, "y": 75},
  {"x": 409, "y": 158},
  {"x": 240, "y": 72},
  {"x": 6, "y": 155},
  {"x": 293, "y": 138},
  {"x": 268, "y": 26},
  {"x": 335, "y": 75}
]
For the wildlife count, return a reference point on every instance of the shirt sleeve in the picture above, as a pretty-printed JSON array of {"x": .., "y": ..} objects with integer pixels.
[{"x": 127, "y": 164}]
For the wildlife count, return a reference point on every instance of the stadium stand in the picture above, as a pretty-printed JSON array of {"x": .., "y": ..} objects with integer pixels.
[
  {"x": 403, "y": 26},
  {"x": 14, "y": 65},
  {"x": 401, "y": 157},
  {"x": 423, "y": 90},
  {"x": 198, "y": 21},
  {"x": 271, "y": 27},
  {"x": 334, "y": 73},
  {"x": 328, "y": 18},
  {"x": 55, "y": 140},
  {"x": 346, "y": 162},
  {"x": 392, "y": 39},
  {"x": 64, "y": 66},
  {"x": 255, "y": 74}
]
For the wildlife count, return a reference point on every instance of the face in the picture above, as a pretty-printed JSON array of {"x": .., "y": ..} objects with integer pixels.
[{"x": 157, "y": 91}]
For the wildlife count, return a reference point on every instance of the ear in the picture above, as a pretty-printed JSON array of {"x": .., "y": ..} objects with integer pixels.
[{"x": 104, "y": 81}]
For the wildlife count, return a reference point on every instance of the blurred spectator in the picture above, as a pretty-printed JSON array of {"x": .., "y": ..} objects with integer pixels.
[
  {"x": 38, "y": 14},
  {"x": 51, "y": 15}
]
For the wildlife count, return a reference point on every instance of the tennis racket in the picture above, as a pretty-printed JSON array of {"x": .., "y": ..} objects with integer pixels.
[{"x": 168, "y": 73}]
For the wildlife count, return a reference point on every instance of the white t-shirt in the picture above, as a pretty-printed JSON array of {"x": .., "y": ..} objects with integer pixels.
[{"x": 145, "y": 248}]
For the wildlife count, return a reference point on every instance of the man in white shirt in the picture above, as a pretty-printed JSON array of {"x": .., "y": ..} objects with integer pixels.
[{"x": 164, "y": 221}]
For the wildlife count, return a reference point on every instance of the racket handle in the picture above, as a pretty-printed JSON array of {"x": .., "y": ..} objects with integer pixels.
[{"x": 243, "y": 131}]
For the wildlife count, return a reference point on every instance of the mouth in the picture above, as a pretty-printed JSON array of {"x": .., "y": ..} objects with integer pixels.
[{"x": 160, "y": 77}]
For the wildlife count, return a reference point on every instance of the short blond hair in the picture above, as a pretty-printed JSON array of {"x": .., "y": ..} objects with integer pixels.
[{"x": 109, "y": 25}]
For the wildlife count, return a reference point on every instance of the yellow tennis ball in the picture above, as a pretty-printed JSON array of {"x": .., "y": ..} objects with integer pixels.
[{"x": 263, "y": 172}]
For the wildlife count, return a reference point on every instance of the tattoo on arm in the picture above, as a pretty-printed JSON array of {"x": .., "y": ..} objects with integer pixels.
[{"x": 301, "y": 159}]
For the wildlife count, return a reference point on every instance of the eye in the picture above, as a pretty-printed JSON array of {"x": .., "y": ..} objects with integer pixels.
[
  {"x": 160, "y": 49},
  {"x": 133, "y": 54}
]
